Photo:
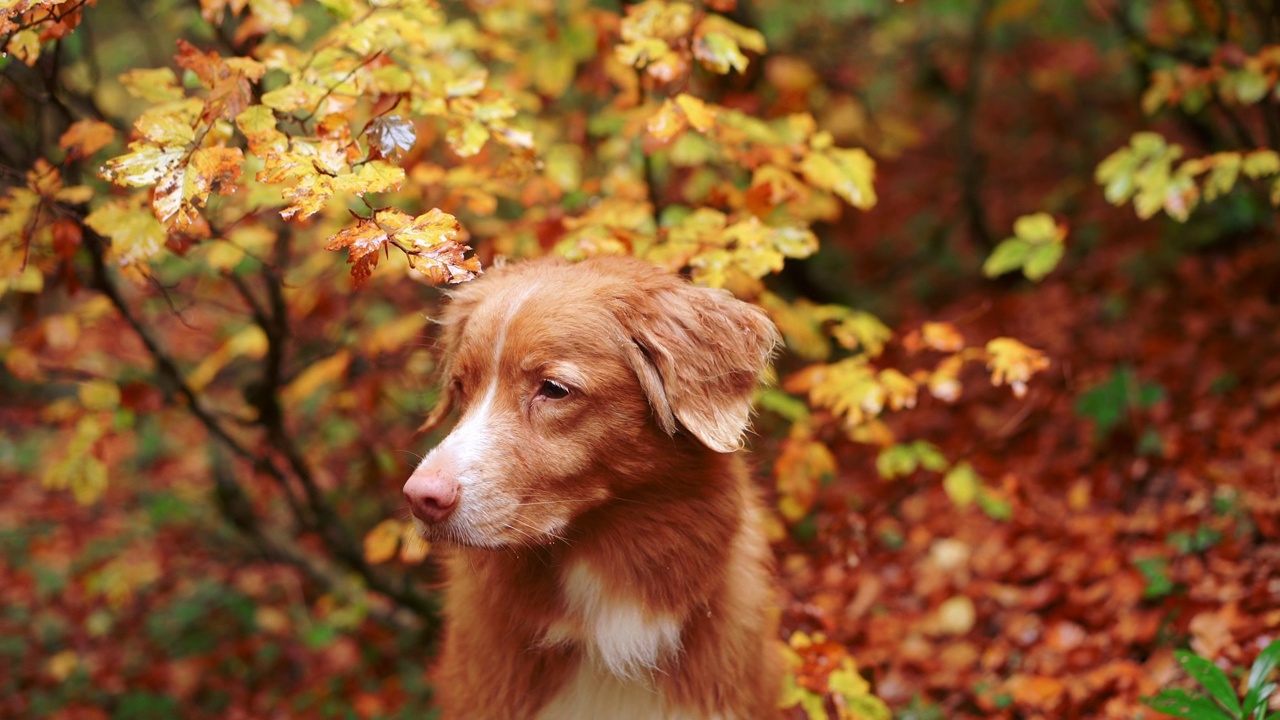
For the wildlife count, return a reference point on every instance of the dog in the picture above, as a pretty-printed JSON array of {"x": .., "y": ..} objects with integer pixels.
[{"x": 605, "y": 557}]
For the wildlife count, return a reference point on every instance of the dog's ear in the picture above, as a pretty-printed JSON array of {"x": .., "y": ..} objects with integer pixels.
[
  {"x": 698, "y": 353},
  {"x": 453, "y": 318}
]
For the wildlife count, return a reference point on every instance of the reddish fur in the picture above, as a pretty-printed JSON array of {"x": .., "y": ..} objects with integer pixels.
[{"x": 621, "y": 480}]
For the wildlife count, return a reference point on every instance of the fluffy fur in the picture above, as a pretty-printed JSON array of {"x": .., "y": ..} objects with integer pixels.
[{"x": 605, "y": 557}]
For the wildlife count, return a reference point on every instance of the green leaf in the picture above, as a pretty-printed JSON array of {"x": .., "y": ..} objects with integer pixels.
[
  {"x": 996, "y": 507},
  {"x": 895, "y": 461},
  {"x": 1180, "y": 703},
  {"x": 792, "y": 408},
  {"x": 930, "y": 457},
  {"x": 1248, "y": 86},
  {"x": 1155, "y": 571},
  {"x": 1042, "y": 260},
  {"x": 962, "y": 484},
  {"x": 1008, "y": 256},
  {"x": 1211, "y": 677},
  {"x": 1255, "y": 698}
]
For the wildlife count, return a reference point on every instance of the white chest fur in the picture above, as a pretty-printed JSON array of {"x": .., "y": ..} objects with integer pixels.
[{"x": 624, "y": 649}]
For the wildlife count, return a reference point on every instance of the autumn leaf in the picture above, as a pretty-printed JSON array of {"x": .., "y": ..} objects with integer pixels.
[
  {"x": 1035, "y": 248},
  {"x": 719, "y": 42},
  {"x": 25, "y": 46},
  {"x": 136, "y": 235},
  {"x": 1014, "y": 363},
  {"x": 99, "y": 395},
  {"x": 392, "y": 135},
  {"x": 250, "y": 342},
  {"x": 143, "y": 165},
  {"x": 847, "y": 173},
  {"x": 328, "y": 371},
  {"x": 381, "y": 542},
  {"x": 78, "y": 468},
  {"x": 803, "y": 464},
  {"x": 157, "y": 85},
  {"x": 413, "y": 547},
  {"x": 86, "y": 137},
  {"x": 962, "y": 484}
]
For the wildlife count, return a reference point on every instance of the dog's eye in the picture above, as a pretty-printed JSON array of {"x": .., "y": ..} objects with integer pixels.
[{"x": 552, "y": 390}]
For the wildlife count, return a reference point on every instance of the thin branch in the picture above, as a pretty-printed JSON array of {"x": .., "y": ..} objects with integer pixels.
[
  {"x": 106, "y": 284},
  {"x": 971, "y": 175},
  {"x": 332, "y": 529}
]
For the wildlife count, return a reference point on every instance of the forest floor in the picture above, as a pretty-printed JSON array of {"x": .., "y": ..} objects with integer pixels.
[
  {"x": 1139, "y": 475},
  {"x": 1141, "y": 472}
]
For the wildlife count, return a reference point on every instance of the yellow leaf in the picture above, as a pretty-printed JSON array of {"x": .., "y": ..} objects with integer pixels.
[
  {"x": 77, "y": 469},
  {"x": 961, "y": 484},
  {"x": 99, "y": 395},
  {"x": 164, "y": 127},
  {"x": 90, "y": 482},
  {"x": 393, "y": 335},
  {"x": 23, "y": 364},
  {"x": 158, "y": 85},
  {"x": 372, "y": 177},
  {"x": 136, "y": 235},
  {"x": 319, "y": 374},
  {"x": 700, "y": 116},
  {"x": 848, "y": 173},
  {"x": 25, "y": 45},
  {"x": 143, "y": 165},
  {"x": 1012, "y": 362},
  {"x": 942, "y": 336},
  {"x": 27, "y": 280},
  {"x": 666, "y": 123},
  {"x": 467, "y": 139},
  {"x": 292, "y": 97},
  {"x": 719, "y": 41},
  {"x": 221, "y": 255},
  {"x": 900, "y": 391},
  {"x": 1039, "y": 229},
  {"x": 381, "y": 542},
  {"x": 861, "y": 329},
  {"x": 413, "y": 547},
  {"x": 61, "y": 665},
  {"x": 250, "y": 342},
  {"x": 719, "y": 53},
  {"x": 801, "y": 466},
  {"x": 944, "y": 382},
  {"x": 258, "y": 123}
]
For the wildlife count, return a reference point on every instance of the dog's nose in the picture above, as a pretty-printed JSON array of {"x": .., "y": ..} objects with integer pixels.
[{"x": 431, "y": 496}]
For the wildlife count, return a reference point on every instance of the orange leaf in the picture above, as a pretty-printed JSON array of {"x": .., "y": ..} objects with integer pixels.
[
  {"x": 666, "y": 123},
  {"x": 86, "y": 137},
  {"x": 381, "y": 542}
]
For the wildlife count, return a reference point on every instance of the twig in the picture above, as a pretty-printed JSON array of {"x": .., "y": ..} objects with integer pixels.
[
  {"x": 106, "y": 284},
  {"x": 332, "y": 530},
  {"x": 970, "y": 162}
]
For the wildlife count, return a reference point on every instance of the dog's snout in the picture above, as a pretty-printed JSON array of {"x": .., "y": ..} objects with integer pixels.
[{"x": 431, "y": 495}]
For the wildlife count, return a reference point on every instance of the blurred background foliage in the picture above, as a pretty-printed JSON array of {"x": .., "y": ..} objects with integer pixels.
[{"x": 207, "y": 415}]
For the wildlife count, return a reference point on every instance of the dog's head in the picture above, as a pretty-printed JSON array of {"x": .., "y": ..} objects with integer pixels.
[{"x": 575, "y": 382}]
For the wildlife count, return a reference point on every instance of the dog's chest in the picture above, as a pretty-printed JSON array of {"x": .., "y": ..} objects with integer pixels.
[{"x": 626, "y": 649}]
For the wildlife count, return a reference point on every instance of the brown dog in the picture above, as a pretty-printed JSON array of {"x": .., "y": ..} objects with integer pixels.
[{"x": 606, "y": 556}]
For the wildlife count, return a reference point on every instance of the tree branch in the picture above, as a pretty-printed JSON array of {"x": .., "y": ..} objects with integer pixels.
[
  {"x": 971, "y": 175},
  {"x": 332, "y": 530}
]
